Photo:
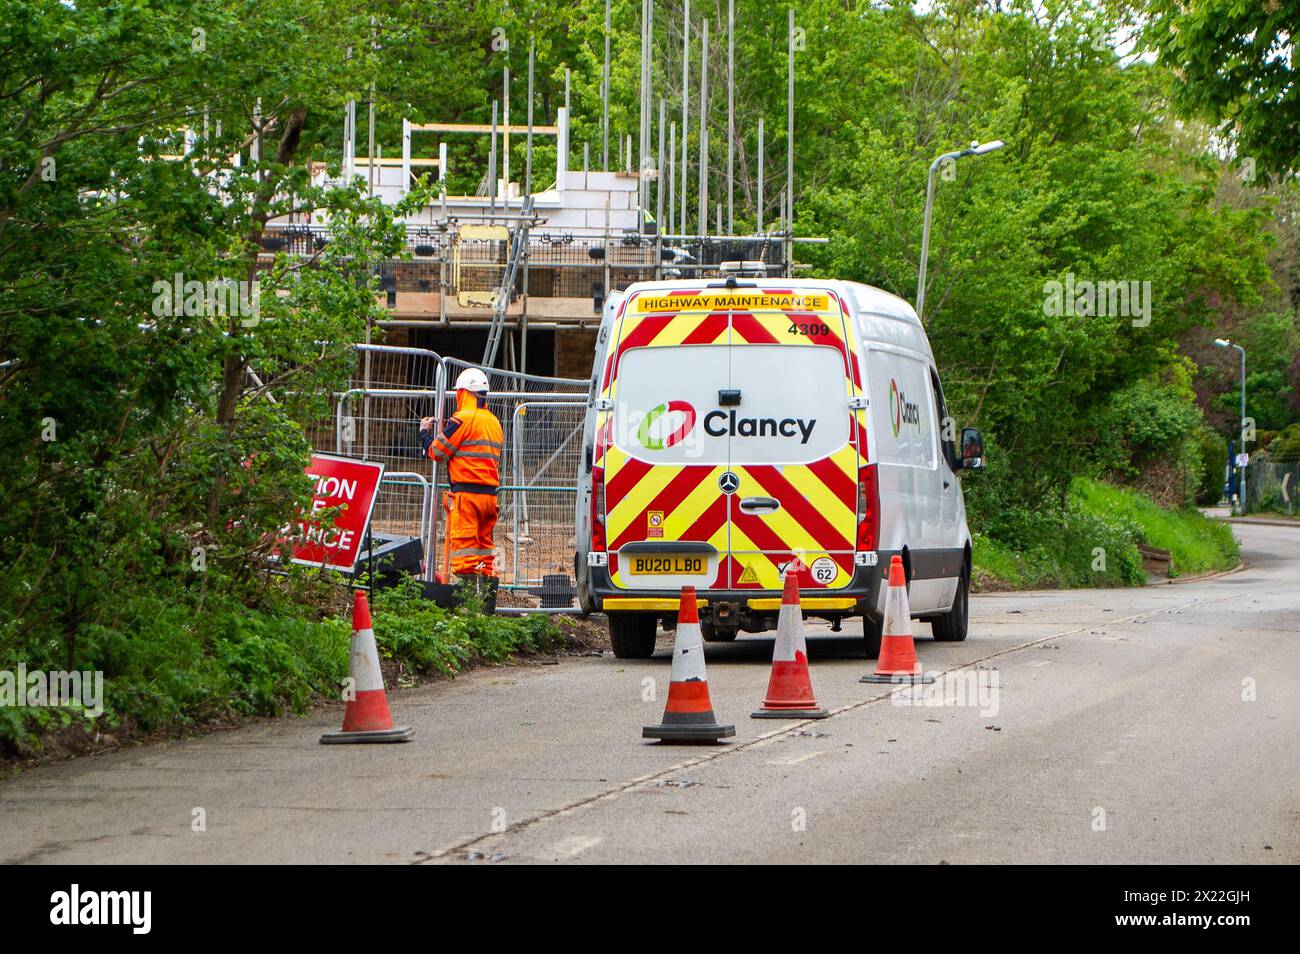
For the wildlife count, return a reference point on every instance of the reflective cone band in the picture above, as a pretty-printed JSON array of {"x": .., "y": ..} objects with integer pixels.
[
  {"x": 897, "y": 662},
  {"x": 366, "y": 718},
  {"x": 789, "y": 691},
  {"x": 688, "y": 714}
]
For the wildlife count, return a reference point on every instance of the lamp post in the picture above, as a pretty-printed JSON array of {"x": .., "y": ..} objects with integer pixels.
[
  {"x": 974, "y": 149},
  {"x": 1241, "y": 448}
]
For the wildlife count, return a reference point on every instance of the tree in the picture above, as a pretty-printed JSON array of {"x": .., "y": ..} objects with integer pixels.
[
  {"x": 1093, "y": 186},
  {"x": 1234, "y": 63},
  {"x": 145, "y": 146}
]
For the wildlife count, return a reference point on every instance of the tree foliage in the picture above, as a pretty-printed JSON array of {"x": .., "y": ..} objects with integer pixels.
[
  {"x": 1094, "y": 185},
  {"x": 133, "y": 434},
  {"x": 1234, "y": 60}
]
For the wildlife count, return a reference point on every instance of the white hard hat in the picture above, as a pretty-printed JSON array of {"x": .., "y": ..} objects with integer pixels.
[{"x": 472, "y": 379}]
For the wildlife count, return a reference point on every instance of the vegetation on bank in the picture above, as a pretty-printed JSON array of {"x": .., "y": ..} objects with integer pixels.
[
  {"x": 168, "y": 668},
  {"x": 1095, "y": 542}
]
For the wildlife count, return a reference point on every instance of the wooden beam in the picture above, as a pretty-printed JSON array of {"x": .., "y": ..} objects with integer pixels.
[
  {"x": 396, "y": 161},
  {"x": 481, "y": 128}
]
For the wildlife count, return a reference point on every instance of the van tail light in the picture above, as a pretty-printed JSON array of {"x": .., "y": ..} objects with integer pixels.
[
  {"x": 868, "y": 508},
  {"x": 598, "y": 509}
]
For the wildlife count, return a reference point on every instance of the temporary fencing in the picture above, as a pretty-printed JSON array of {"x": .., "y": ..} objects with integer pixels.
[{"x": 378, "y": 418}]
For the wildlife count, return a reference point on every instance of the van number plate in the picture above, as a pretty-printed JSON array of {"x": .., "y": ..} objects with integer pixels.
[{"x": 668, "y": 565}]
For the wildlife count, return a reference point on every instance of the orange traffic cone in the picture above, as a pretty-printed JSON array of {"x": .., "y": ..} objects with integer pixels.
[
  {"x": 366, "y": 718},
  {"x": 688, "y": 715},
  {"x": 897, "y": 662},
  {"x": 789, "y": 691}
]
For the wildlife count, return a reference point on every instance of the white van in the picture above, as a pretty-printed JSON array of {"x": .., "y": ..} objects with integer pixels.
[{"x": 737, "y": 428}]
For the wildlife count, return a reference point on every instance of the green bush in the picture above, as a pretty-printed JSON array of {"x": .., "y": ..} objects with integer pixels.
[
  {"x": 168, "y": 667},
  {"x": 1059, "y": 549},
  {"x": 1285, "y": 448},
  {"x": 1094, "y": 541},
  {"x": 998, "y": 496},
  {"x": 1150, "y": 435},
  {"x": 427, "y": 638},
  {"x": 1213, "y": 450}
]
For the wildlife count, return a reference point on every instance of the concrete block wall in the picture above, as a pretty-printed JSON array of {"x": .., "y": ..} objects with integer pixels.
[
  {"x": 577, "y": 207},
  {"x": 574, "y": 353}
]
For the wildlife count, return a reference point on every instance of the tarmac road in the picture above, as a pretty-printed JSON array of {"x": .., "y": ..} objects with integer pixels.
[{"x": 1149, "y": 725}]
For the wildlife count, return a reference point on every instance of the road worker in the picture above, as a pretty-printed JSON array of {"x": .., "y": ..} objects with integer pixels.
[{"x": 470, "y": 443}]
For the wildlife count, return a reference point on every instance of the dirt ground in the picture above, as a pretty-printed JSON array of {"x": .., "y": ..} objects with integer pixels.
[
  {"x": 516, "y": 598},
  {"x": 590, "y": 636}
]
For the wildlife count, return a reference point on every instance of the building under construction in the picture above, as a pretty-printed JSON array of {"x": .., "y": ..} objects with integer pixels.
[{"x": 515, "y": 278}]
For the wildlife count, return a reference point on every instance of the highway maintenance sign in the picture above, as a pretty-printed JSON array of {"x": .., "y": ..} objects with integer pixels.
[
  {"x": 690, "y": 300},
  {"x": 351, "y": 485}
]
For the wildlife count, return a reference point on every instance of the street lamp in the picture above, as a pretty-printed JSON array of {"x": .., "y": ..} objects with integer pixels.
[
  {"x": 1241, "y": 449},
  {"x": 974, "y": 149}
]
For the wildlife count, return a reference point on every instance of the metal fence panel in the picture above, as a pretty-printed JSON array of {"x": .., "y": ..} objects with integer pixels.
[
  {"x": 1271, "y": 487},
  {"x": 542, "y": 417},
  {"x": 538, "y": 505},
  {"x": 383, "y": 425}
]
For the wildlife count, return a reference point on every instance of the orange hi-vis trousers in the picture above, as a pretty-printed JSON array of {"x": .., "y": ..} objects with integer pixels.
[{"x": 469, "y": 528}]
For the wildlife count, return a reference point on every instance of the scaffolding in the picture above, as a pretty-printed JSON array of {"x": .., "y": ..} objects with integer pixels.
[{"x": 510, "y": 258}]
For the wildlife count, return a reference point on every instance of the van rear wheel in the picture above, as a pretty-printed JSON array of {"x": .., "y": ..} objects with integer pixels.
[
  {"x": 633, "y": 635},
  {"x": 951, "y": 626}
]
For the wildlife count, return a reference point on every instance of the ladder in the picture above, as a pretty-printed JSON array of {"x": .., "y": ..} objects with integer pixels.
[{"x": 518, "y": 254}]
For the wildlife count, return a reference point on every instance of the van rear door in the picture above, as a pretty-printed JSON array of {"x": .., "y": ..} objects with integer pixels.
[
  {"x": 794, "y": 445},
  {"x": 666, "y": 513},
  {"x": 728, "y": 448}
]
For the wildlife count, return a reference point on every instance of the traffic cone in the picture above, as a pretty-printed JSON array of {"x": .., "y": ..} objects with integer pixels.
[
  {"x": 789, "y": 691},
  {"x": 897, "y": 662},
  {"x": 366, "y": 718},
  {"x": 688, "y": 714}
]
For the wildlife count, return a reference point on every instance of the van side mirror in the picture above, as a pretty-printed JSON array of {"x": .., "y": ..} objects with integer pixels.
[{"x": 972, "y": 449}]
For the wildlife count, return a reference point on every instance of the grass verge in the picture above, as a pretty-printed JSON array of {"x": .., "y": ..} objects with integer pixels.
[
  {"x": 168, "y": 669},
  {"x": 1095, "y": 542}
]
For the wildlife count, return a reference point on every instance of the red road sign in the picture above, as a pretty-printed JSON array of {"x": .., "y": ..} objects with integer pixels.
[{"x": 349, "y": 484}]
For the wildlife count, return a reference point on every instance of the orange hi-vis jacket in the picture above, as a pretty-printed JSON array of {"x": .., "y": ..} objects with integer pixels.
[{"x": 471, "y": 443}]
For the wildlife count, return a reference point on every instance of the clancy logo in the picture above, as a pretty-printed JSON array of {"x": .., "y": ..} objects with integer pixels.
[
  {"x": 720, "y": 423},
  {"x": 103, "y": 907},
  {"x": 717, "y": 423},
  {"x": 901, "y": 409},
  {"x": 676, "y": 437}
]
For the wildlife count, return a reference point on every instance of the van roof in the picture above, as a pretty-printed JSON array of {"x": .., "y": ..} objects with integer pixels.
[
  {"x": 860, "y": 297},
  {"x": 879, "y": 315}
]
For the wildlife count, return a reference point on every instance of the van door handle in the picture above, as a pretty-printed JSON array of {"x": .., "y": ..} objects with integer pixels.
[
  {"x": 759, "y": 505},
  {"x": 946, "y": 485}
]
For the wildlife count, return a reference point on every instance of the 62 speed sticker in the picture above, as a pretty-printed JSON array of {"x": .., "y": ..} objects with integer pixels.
[{"x": 824, "y": 570}]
